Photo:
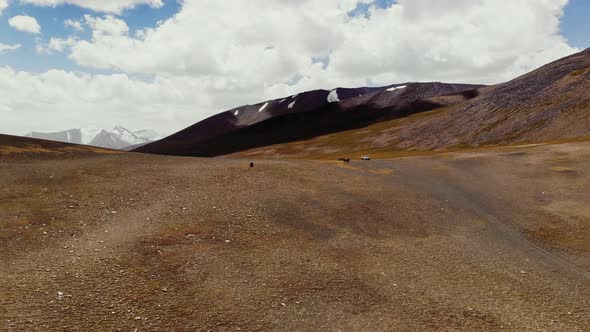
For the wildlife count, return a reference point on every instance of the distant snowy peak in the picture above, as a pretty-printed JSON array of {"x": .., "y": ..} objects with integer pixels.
[
  {"x": 88, "y": 134},
  {"x": 117, "y": 138},
  {"x": 128, "y": 136},
  {"x": 108, "y": 140},
  {"x": 68, "y": 136}
]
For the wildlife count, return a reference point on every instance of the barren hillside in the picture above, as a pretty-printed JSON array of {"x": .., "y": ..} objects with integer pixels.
[{"x": 551, "y": 103}]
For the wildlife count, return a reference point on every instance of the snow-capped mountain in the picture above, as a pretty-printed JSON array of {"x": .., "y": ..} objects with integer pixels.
[
  {"x": 117, "y": 138},
  {"x": 67, "y": 136}
]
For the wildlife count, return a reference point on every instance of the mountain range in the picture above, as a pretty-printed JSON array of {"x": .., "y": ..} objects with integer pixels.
[
  {"x": 118, "y": 138},
  {"x": 550, "y": 103}
]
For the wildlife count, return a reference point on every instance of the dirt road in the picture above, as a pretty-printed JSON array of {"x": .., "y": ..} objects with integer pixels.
[{"x": 494, "y": 240}]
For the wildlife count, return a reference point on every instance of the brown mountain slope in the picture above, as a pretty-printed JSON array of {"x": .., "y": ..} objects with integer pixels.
[
  {"x": 307, "y": 115},
  {"x": 550, "y": 103},
  {"x": 15, "y": 147}
]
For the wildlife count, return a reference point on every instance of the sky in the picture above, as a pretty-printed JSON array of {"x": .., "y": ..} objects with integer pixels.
[{"x": 166, "y": 64}]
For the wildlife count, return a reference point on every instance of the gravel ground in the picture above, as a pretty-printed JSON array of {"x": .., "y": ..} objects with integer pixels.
[{"x": 479, "y": 241}]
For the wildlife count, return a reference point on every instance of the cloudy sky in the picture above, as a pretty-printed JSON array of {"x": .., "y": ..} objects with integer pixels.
[{"x": 165, "y": 64}]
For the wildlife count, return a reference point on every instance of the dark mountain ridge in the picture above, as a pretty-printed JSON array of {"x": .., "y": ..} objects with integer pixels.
[{"x": 306, "y": 115}]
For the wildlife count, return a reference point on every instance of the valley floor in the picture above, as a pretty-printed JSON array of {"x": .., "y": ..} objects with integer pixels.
[{"x": 475, "y": 241}]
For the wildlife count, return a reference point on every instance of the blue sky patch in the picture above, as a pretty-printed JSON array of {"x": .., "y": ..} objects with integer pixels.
[{"x": 362, "y": 9}]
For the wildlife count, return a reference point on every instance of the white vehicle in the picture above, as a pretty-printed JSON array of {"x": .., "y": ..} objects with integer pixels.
[{"x": 365, "y": 158}]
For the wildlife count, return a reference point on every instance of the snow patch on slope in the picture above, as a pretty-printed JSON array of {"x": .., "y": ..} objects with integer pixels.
[
  {"x": 333, "y": 96},
  {"x": 263, "y": 107},
  {"x": 292, "y": 104},
  {"x": 397, "y": 88}
]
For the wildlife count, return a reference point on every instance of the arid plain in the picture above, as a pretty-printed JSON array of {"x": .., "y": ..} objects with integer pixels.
[{"x": 481, "y": 240}]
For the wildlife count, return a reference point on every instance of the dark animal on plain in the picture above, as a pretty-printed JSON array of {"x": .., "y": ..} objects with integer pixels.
[
  {"x": 346, "y": 160},
  {"x": 251, "y": 164}
]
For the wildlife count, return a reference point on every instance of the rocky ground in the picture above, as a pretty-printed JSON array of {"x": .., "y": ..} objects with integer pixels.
[{"x": 475, "y": 241}]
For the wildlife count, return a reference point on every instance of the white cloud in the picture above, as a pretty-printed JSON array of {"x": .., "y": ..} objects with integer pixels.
[
  {"x": 59, "y": 99},
  {"x": 3, "y": 5},
  {"x": 274, "y": 41},
  {"x": 57, "y": 45},
  {"x": 6, "y": 47},
  {"x": 212, "y": 56},
  {"x": 272, "y": 38},
  {"x": 25, "y": 24},
  {"x": 76, "y": 25},
  {"x": 107, "y": 26},
  {"x": 106, "y": 6}
]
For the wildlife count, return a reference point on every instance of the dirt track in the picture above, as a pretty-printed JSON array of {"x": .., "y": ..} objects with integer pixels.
[{"x": 497, "y": 240}]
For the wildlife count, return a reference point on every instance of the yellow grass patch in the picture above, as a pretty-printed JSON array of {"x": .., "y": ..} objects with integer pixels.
[
  {"x": 563, "y": 169},
  {"x": 384, "y": 171},
  {"x": 37, "y": 149},
  {"x": 27, "y": 149}
]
